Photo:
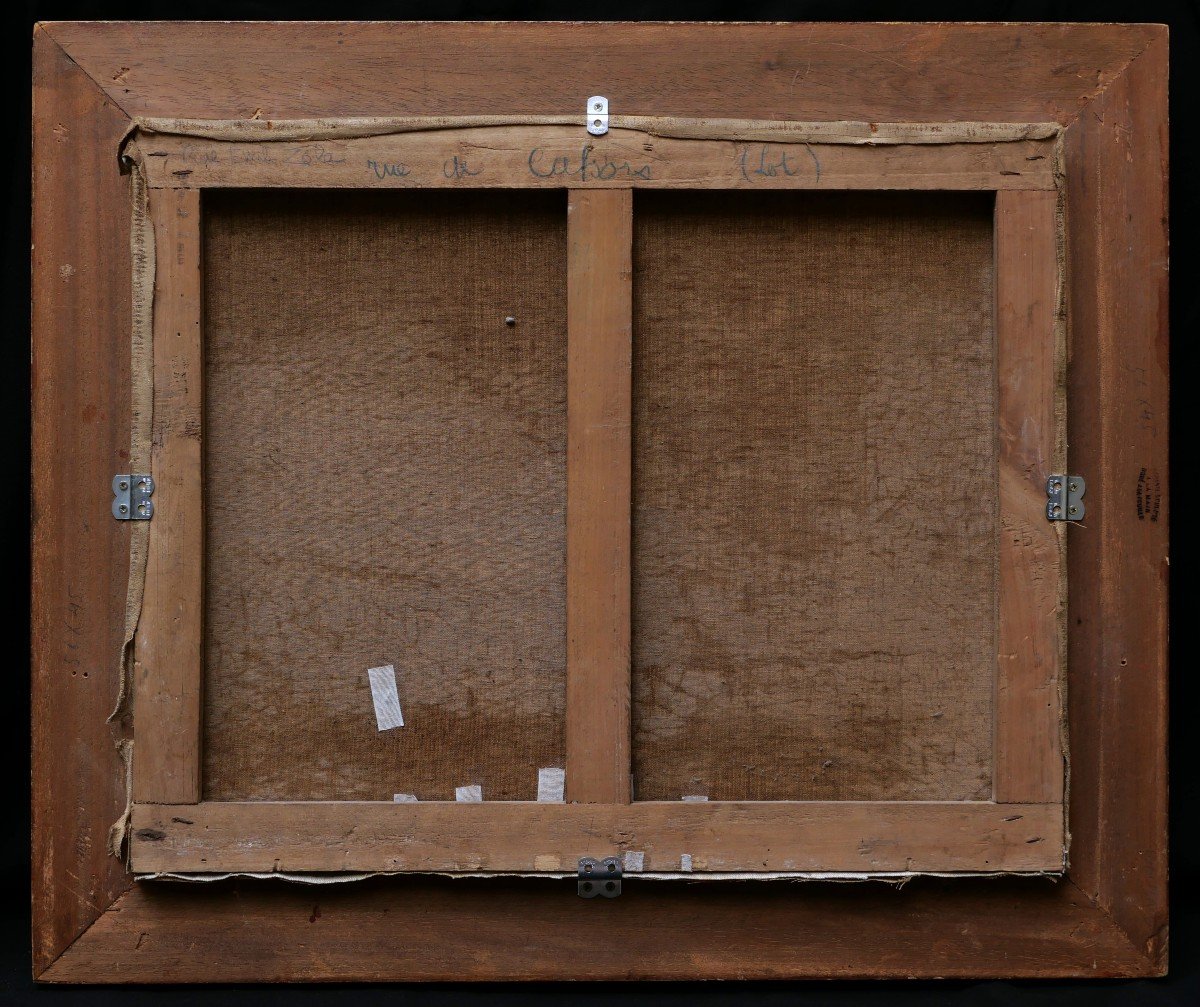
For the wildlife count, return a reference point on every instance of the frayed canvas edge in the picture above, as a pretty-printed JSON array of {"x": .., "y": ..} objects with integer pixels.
[
  {"x": 672, "y": 127},
  {"x": 898, "y": 878},
  {"x": 1061, "y": 323},
  {"x": 142, "y": 254}
]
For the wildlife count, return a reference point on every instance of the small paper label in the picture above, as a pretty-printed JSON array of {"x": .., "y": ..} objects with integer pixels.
[
  {"x": 404, "y": 798},
  {"x": 694, "y": 798},
  {"x": 551, "y": 782},
  {"x": 469, "y": 795},
  {"x": 385, "y": 697},
  {"x": 685, "y": 862},
  {"x": 634, "y": 860}
]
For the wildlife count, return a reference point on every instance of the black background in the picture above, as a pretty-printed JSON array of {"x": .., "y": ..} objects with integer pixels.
[{"x": 1182, "y": 986}]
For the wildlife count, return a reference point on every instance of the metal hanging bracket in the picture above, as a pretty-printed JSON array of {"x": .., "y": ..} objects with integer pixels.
[
  {"x": 131, "y": 497},
  {"x": 1064, "y": 498},
  {"x": 599, "y": 877},
  {"x": 597, "y": 115}
]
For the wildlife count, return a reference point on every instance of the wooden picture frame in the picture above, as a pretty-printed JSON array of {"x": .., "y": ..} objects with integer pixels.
[{"x": 1101, "y": 152}]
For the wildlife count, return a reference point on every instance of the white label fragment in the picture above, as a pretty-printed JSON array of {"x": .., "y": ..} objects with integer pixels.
[
  {"x": 469, "y": 795},
  {"x": 404, "y": 798},
  {"x": 385, "y": 697},
  {"x": 633, "y": 860},
  {"x": 551, "y": 782},
  {"x": 693, "y": 798},
  {"x": 685, "y": 862}
]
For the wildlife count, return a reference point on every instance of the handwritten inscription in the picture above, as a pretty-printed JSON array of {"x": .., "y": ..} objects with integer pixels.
[
  {"x": 74, "y": 625},
  {"x": 313, "y": 153},
  {"x": 457, "y": 168},
  {"x": 304, "y": 154},
  {"x": 772, "y": 163},
  {"x": 388, "y": 169},
  {"x": 191, "y": 154},
  {"x": 588, "y": 167}
]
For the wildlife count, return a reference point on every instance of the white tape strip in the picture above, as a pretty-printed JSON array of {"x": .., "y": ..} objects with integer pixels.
[
  {"x": 387, "y": 701},
  {"x": 551, "y": 783},
  {"x": 404, "y": 798},
  {"x": 685, "y": 862},
  {"x": 469, "y": 795},
  {"x": 633, "y": 861},
  {"x": 693, "y": 798}
]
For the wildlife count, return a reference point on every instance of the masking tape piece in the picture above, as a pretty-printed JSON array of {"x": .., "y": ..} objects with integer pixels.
[
  {"x": 633, "y": 861},
  {"x": 404, "y": 798},
  {"x": 472, "y": 794},
  {"x": 385, "y": 697},
  {"x": 694, "y": 798},
  {"x": 551, "y": 783},
  {"x": 685, "y": 863}
]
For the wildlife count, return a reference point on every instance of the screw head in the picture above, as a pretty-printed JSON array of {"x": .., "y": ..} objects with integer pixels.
[
  {"x": 123, "y": 509},
  {"x": 124, "y": 484}
]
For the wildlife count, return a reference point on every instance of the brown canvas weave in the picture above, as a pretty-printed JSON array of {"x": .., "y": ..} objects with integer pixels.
[
  {"x": 385, "y": 484},
  {"x": 815, "y": 529}
]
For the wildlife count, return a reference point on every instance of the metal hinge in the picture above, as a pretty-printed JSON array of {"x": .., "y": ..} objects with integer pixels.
[
  {"x": 597, "y": 115},
  {"x": 131, "y": 497},
  {"x": 1064, "y": 498},
  {"x": 599, "y": 877}
]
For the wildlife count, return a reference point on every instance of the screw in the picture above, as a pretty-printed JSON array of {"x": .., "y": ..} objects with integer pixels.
[
  {"x": 123, "y": 484},
  {"x": 123, "y": 509},
  {"x": 1074, "y": 510},
  {"x": 598, "y": 106},
  {"x": 510, "y": 321},
  {"x": 1074, "y": 487}
]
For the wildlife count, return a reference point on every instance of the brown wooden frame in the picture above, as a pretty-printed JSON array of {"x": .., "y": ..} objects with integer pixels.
[{"x": 1107, "y": 918}]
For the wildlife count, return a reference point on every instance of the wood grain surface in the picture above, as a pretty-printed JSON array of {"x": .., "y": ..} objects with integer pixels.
[
  {"x": 599, "y": 470},
  {"x": 802, "y": 72},
  {"x": 167, "y": 661},
  {"x": 1118, "y": 561},
  {"x": 566, "y": 156},
  {"x": 422, "y": 929},
  {"x": 1028, "y": 761},
  {"x": 770, "y": 836},
  {"x": 81, "y": 311}
]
